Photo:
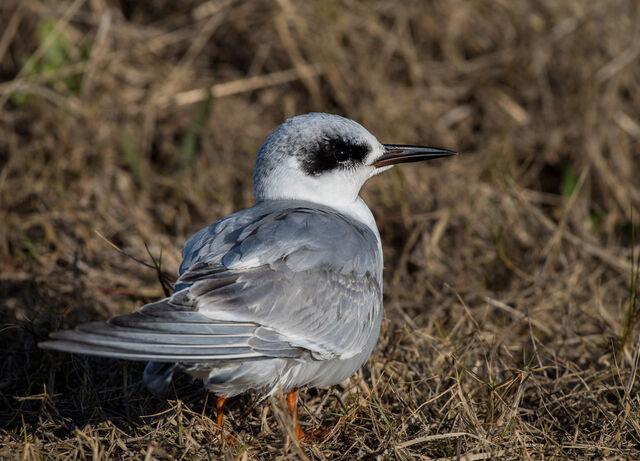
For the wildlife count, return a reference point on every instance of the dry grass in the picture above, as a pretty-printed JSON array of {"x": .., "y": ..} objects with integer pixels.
[{"x": 511, "y": 295}]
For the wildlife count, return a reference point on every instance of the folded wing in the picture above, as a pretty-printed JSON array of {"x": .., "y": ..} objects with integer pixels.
[{"x": 295, "y": 282}]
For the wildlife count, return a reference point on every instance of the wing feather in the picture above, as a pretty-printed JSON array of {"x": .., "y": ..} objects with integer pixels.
[{"x": 292, "y": 282}]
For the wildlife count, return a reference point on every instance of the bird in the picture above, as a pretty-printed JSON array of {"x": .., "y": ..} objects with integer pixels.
[{"x": 282, "y": 295}]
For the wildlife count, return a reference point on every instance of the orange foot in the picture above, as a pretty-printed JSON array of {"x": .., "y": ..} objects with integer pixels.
[
  {"x": 228, "y": 439},
  {"x": 314, "y": 436}
]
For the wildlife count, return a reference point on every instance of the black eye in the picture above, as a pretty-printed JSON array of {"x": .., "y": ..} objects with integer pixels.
[
  {"x": 342, "y": 154},
  {"x": 333, "y": 154}
]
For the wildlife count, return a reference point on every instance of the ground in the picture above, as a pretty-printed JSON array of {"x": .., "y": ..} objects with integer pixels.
[{"x": 511, "y": 280}]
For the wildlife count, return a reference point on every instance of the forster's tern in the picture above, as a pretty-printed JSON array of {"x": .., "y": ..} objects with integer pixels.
[{"x": 284, "y": 294}]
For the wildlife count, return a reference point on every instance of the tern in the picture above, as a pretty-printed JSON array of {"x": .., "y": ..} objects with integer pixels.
[{"x": 285, "y": 294}]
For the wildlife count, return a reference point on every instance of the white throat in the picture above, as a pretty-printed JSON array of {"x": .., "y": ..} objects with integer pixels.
[
  {"x": 333, "y": 188},
  {"x": 338, "y": 190},
  {"x": 360, "y": 211}
]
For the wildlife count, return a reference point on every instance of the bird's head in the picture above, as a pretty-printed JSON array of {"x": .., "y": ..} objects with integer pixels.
[{"x": 326, "y": 159}]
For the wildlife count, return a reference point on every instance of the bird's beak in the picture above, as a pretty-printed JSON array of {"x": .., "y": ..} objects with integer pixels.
[{"x": 398, "y": 153}]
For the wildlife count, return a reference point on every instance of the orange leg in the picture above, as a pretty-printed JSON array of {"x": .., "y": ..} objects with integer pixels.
[
  {"x": 220, "y": 411},
  {"x": 230, "y": 438},
  {"x": 292, "y": 402}
]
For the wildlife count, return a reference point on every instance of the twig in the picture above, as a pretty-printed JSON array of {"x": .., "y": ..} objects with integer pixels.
[
  {"x": 122, "y": 252},
  {"x": 516, "y": 313},
  {"x": 431, "y": 438},
  {"x": 157, "y": 264},
  {"x": 10, "y": 32},
  {"x": 239, "y": 86}
]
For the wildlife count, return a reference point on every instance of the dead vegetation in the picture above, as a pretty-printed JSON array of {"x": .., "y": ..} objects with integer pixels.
[{"x": 511, "y": 279}]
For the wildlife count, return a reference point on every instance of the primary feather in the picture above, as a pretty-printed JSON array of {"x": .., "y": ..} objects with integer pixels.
[{"x": 248, "y": 296}]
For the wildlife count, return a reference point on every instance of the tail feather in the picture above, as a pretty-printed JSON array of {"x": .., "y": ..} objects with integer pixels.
[{"x": 157, "y": 377}]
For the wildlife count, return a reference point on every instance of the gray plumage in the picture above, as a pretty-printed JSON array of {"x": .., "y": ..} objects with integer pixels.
[
  {"x": 284, "y": 294},
  {"x": 246, "y": 301}
]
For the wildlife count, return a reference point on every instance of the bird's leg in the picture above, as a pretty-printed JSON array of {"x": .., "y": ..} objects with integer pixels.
[
  {"x": 219, "y": 417},
  {"x": 220, "y": 412},
  {"x": 292, "y": 402}
]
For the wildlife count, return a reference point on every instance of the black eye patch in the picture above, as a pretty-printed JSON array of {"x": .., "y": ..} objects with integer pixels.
[{"x": 331, "y": 154}]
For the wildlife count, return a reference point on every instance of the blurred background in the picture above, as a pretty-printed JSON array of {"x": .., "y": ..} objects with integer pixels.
[{"x": 510, "y": 274}]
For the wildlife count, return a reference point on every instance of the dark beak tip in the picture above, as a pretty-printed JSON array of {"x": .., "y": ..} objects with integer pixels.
[{"x": 402, "y": 153}]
